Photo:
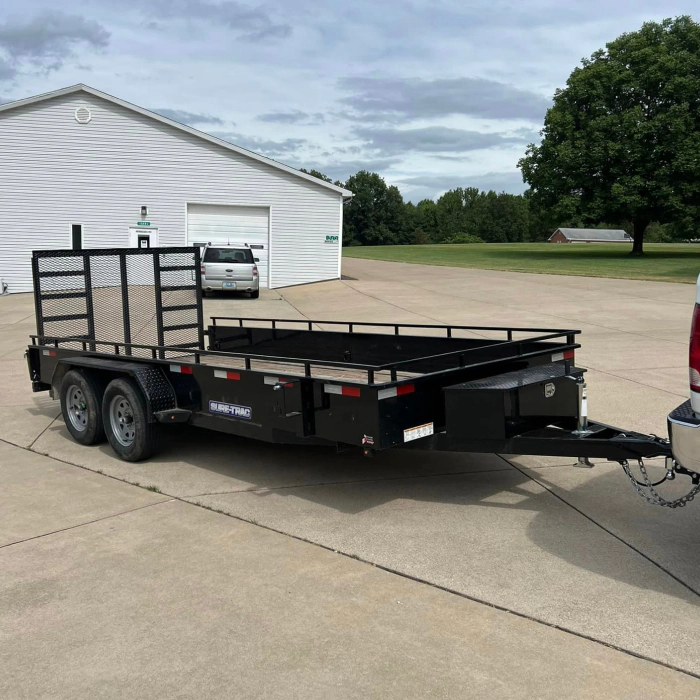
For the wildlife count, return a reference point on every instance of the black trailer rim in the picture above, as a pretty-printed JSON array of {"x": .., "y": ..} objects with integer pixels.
[
  {"x": 121, "y": 420},
  {"x": 76, "y": 408}
]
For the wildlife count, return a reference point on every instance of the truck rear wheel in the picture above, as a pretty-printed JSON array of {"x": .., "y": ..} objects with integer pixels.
[
  {"x": 81, "y": 398},
  {"x": 125, "y": 419}
]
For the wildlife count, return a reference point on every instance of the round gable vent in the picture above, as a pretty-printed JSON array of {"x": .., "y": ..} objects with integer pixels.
[{"x": 83, "y": 115}]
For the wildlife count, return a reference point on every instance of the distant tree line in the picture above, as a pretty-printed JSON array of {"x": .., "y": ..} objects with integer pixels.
[
  {"x": 378, "y": 215},
  {"x": 620, "y": 148}
]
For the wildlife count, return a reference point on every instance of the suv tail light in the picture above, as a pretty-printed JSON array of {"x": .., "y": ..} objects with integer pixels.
[
  {"x": 201, "y": 269},
  {"x": 694, "y": 359},
  {"x": 255, "y": 274}
]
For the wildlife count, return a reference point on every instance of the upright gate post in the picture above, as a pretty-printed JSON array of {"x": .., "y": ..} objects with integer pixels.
[
  {"x": 37, "y": 297},
  {"x": 88, "y": 300},
  {"x": 159, "y": 303},
  {"x": 198, "y": 292},
  {"x": 125, "y": 300}
]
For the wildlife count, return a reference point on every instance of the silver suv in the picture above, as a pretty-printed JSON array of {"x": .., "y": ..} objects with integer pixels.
[{"x": 230, "y": 268}]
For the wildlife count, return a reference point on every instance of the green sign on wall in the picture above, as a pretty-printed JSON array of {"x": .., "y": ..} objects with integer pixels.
[
  {"x": 143, "y": 223},
  {"x": 332, "y": 239}
]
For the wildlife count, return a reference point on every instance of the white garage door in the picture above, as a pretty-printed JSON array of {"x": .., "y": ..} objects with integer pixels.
[{"x": 215, "y": 223}]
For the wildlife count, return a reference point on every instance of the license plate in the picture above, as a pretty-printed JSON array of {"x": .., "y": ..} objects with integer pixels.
[{"x": 229, "y": 285}]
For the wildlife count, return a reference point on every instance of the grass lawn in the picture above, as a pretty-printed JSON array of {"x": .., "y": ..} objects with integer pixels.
[{"x": 667, "y": 262}]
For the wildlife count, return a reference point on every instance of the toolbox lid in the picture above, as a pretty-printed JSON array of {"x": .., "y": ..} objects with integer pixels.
[{"x": 513, "y": 380}]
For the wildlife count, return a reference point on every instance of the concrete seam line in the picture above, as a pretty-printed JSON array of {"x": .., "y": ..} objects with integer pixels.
[
  {"x": 43, "y": 431},
  {"x": 536, "y": 277},
  {"x": 409, "y": 576},
  {"x": 343, "y": 483},
  {"x": 605, "y": 529},
  {"x": 87, "y": 469},
  {"x": 299, "y": 311},
  {"x": 445, "y": 589},
  {"x": 87, "y": 522},
  {"x": 634, "y": 381},
  {"x": 519, "y": 309},
  {"x": 397, "y": 306}
]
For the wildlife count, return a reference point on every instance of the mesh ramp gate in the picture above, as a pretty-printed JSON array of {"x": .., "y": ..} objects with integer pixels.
[{"x": 149, "y": 296}]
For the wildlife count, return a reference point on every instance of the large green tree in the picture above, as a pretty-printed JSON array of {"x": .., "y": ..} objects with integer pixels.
[
  {"x": 622, "y": 140},
  {"x": 376, "y": 215}
]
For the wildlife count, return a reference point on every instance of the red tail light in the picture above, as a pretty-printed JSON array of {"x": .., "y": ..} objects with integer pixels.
[
  {"x": 255, "y": 270},
  {"x": 201, "y": 269},
  {"x": 694, "y": 359}
]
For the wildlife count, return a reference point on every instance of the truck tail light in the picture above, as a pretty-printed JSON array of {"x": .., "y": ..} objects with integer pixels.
[
  {"x": 255, "y": 270},
  {"x": 694, "y": 358}
]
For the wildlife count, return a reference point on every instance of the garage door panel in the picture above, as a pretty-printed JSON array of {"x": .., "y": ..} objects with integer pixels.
[{"x": 212, "y": 223}]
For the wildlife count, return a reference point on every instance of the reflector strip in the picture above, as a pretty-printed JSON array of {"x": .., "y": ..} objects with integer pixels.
[
  {"x": 342, "y": 390},
  {"x": 558, "y": 356},
  {"x": 223, "y": 374},
  {"x": 400, "y": 390},
  {"x": 180, "y": 369},
  {"x": 273, "y": 381},
  {"x": 50, "y": 353}
]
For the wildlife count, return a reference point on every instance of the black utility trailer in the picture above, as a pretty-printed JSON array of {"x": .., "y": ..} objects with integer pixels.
[{"x": 121, "y": 340}]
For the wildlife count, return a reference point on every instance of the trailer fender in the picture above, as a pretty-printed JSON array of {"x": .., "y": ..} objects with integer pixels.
[{"x": 157, "y": 389}]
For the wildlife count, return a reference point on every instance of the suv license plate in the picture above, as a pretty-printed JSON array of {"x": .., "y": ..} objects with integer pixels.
[{"x": 229, "y": 285}]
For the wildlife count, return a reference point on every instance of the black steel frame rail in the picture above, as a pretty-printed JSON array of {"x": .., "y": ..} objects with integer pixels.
[{"x": 159, "y": 352}]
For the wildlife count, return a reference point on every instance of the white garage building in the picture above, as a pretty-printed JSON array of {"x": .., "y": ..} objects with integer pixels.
[{"x": 77, "y": 166}]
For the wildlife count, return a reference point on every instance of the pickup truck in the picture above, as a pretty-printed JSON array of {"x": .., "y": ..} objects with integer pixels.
[{"x": 684, "y": 421}]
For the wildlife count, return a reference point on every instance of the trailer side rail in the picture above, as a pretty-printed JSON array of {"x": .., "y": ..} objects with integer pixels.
[
  {"x": 184, "y": 353},
  {"x": 352, "y": 326}
]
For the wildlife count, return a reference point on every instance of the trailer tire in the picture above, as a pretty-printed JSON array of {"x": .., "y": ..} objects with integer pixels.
[
  {"x": 125, "y": 418},
  {"x": 81, "y": 406}
]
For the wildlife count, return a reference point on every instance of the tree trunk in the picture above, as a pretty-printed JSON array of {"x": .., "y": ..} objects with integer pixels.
[{"x": 640, "y": 226}]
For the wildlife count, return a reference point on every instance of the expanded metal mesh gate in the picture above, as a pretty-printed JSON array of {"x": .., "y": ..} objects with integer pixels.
[{"x": 147, "y": 296}]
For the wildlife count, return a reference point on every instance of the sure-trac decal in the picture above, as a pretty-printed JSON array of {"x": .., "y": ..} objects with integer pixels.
[{"x": 231, "y": 409}]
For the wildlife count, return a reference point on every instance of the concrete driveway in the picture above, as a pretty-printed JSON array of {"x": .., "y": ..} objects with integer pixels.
[{"x": 465, "y": 575}]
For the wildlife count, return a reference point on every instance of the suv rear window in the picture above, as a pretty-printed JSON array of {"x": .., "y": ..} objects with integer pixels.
[{"x": 228, "y": 255}]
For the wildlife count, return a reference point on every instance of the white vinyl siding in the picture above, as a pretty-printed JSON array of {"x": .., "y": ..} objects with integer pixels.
[
  {"x": 55, "y": 171},
  {"x": 215, "y": 223}
]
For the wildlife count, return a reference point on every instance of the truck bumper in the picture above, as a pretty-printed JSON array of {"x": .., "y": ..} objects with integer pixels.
[
  {"x": 684, "y": 434},
  {"x": 209, "y": 285}
]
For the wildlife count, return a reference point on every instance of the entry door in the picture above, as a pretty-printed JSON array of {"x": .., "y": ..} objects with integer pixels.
[{"x": 143, "y": 237}]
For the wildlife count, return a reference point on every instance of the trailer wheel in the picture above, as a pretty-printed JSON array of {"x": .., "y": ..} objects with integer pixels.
[
  {"x": 125, "y": 418},
  {"x": 81, "y": 398}
]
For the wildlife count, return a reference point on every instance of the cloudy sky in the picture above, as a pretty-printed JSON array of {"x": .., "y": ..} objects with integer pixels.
[{"x": 432, "y": 94}]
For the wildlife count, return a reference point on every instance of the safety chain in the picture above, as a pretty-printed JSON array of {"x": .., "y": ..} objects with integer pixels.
[{"x": 652, "y": 495}]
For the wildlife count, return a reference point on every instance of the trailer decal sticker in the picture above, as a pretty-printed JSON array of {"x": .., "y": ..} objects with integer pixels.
[
  {"x": 231, "y": 409},
  {"x": 418, "y": 432}
]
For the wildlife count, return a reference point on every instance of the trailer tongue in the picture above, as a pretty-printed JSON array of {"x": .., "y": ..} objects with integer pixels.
[{"x": 120, "y": 339}]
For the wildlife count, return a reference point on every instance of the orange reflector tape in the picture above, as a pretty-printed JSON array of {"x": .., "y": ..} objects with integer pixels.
[
  {"x": 342, "y": 390},
  {"x": 180, "y": 369},
  {"x": 400, "y": 390},
  {"x": 558, "y": 356},
  {"x": 224, "y": 374}
]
